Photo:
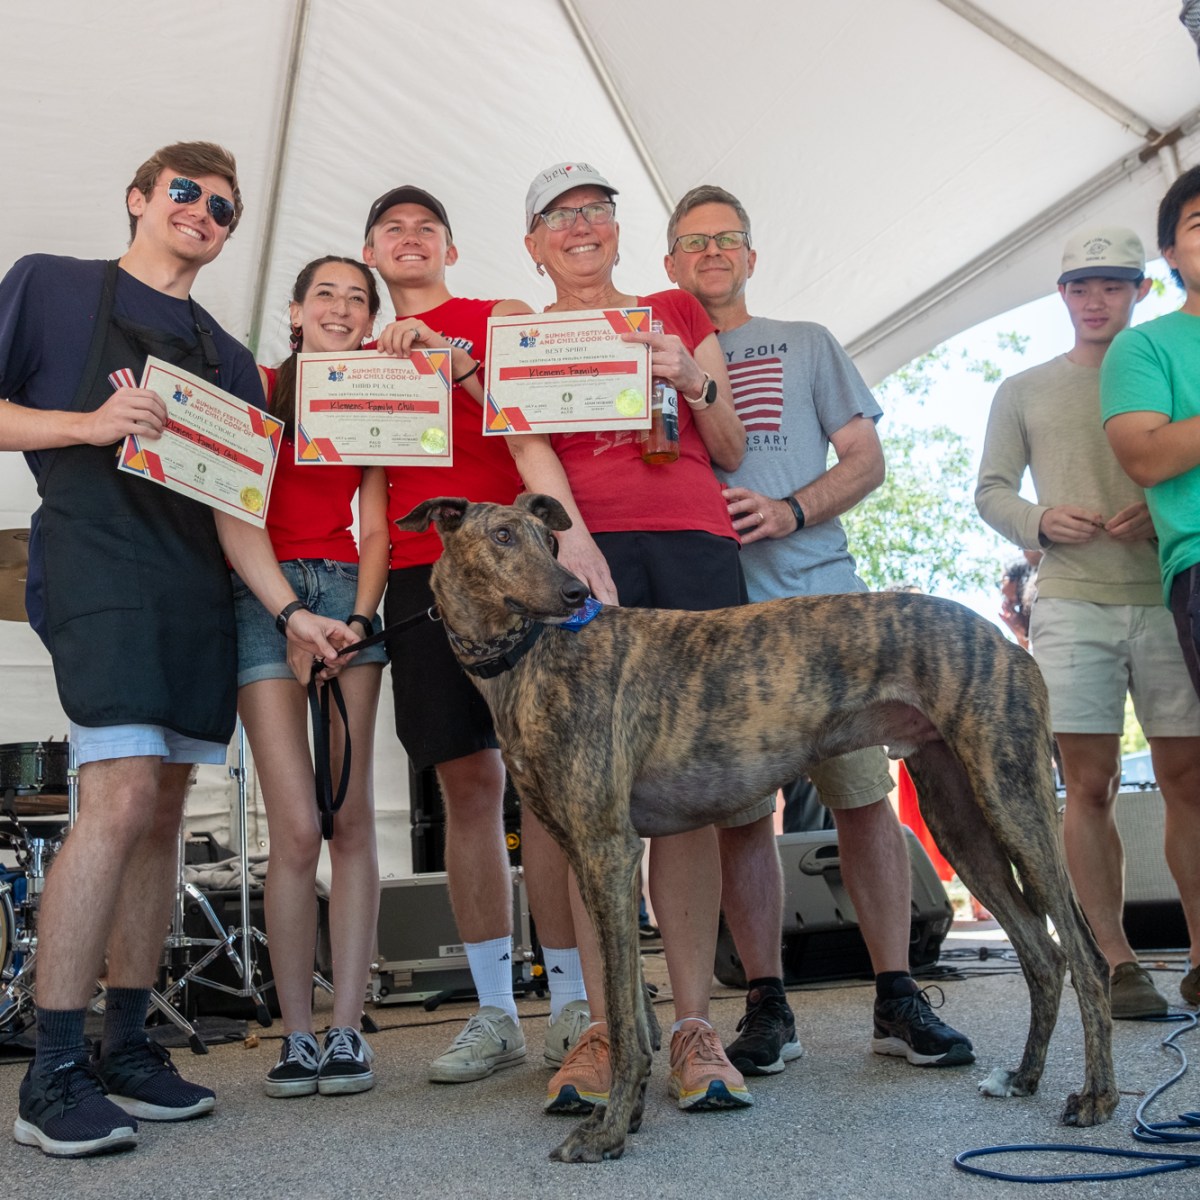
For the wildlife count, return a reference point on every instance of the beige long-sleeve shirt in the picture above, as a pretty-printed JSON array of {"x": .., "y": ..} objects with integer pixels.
[{"x": 1047, "y": 419}]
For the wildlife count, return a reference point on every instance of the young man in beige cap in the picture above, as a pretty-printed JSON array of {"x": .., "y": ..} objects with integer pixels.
[
  {"x": 1098, "y": 629},
  {"x": 441, "y": 718}
]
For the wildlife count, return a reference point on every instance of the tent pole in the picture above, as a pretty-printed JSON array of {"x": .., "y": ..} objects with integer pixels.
[
  {"x": 991, "y": 258},
  {"x": 275, "y": 190},
  {"x": 1048, "y": 65}
]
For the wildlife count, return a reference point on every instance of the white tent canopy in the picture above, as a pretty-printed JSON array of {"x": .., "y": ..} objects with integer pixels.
[{"x": 911, "y": 166}]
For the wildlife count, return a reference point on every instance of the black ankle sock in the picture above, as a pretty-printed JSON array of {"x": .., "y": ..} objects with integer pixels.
[
  {"x": 891, "y": 985},
  {"x": 769, "y": 983}
]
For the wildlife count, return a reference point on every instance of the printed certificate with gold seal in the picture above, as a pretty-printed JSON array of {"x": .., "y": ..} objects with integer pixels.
[
  {"x": 567, "y": 372},
  {"x": 215, "y": 448},
  {"x": 369, "y": 408}
]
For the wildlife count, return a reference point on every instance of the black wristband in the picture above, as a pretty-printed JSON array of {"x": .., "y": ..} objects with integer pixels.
[
  {"x": 286, "y": 612},
  {"x": 366, "y": 622},
  {"x": 797, "y": 511},
  {"x": 465, "y": 375}
]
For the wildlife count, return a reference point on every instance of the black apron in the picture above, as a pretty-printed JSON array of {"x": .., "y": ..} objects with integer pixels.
[{"x": 139, "y": 609}]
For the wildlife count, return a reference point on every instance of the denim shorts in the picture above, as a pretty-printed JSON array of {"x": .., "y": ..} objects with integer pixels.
[{"x": 327, "y": 587}]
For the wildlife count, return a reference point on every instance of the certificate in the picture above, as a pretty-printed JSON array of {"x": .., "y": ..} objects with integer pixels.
[
  {"x": 369, "y": 408},
  {"x": 567, "y": 372},
  {"x": 215, "y": 448}
]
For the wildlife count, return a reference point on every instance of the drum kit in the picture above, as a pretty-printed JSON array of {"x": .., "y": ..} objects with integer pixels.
[{"x": 39, "y": 799}]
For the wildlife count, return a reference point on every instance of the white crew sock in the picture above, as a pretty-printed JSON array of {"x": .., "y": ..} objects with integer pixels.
[
  {"x": 564, "y": 972},
  {"x": 492, "y": 973}
]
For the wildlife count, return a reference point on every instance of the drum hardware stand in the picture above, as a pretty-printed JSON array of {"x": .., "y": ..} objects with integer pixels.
[{"x": 245, "y": 937}]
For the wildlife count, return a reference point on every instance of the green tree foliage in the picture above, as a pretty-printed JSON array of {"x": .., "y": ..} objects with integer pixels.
[{"x": 920, "y": 528}]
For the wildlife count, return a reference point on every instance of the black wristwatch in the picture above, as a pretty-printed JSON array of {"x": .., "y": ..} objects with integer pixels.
[
  {"x": 286, "y": 612},
  {"x": 707, "y": 397},
  {"x": 797, "y": 511}
]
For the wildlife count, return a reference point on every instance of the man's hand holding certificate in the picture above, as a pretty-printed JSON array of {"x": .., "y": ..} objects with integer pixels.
[
  {"x": 372, "y": 409},
  {"x": 567, "y": 372},
  {"x": 214, "y": 447}
]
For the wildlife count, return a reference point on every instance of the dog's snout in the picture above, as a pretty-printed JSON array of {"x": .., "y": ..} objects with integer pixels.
[{"x": 574, "y": 592}]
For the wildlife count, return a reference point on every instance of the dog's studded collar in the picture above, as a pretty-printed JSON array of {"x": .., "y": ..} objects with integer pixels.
[{"x": 497, "y": 655}]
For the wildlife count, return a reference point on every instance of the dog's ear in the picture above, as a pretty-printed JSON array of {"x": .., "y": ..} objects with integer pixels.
[
  {"x": 446, "y": 511},
  {"x": 545, "y": 508}
]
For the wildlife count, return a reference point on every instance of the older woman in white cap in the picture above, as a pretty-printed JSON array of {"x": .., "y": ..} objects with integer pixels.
[{"x": 650, "y": 535}]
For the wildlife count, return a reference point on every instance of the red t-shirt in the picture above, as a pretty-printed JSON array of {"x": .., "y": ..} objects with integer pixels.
[
  {"x": 616, "y": 490},
  {"x": 483, "y": 469},
  {"x": 311, "y": 511}
]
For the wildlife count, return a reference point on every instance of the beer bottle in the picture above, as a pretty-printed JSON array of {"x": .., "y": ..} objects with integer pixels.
[{"x": 660, "y": 443}]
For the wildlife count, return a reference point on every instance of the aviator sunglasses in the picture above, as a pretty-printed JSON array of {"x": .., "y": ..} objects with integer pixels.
[{"x": 188, "y": 191}]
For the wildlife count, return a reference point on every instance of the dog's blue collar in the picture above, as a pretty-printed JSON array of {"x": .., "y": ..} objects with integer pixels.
[{"x": 581, "y": 616}]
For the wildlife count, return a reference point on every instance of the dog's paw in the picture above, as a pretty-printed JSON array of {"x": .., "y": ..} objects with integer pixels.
[
  {"x": 1000, "y": 1082},
  {"x": 588, "y": 1145},
  {"x": 1089, "y": 1108}
]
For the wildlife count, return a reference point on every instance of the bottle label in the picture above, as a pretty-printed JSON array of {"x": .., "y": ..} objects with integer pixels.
[{"x": 670, "y": 412}]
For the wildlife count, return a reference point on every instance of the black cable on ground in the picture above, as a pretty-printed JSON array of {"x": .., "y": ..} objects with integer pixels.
[{"x": 1155, "y": 1132}]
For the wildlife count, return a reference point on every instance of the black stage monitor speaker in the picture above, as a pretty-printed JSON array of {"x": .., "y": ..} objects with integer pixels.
[
  {"x": 1153, "y": 915},
  {"x": 821, "y": 938}
]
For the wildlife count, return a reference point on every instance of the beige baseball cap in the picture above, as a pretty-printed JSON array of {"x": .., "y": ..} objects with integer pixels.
[
  {"x": 1111, "y": 252},
  {"x": 555, "y": 180}
]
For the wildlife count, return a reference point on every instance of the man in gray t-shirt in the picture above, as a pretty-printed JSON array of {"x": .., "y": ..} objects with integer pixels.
[{"x": 797, "y": 394}]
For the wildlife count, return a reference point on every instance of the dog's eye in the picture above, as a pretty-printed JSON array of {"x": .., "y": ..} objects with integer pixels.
[{"x": 503, "y": 535}]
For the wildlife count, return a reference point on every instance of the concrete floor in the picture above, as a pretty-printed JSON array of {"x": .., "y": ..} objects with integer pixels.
[{"x": 840, "y": 1122}]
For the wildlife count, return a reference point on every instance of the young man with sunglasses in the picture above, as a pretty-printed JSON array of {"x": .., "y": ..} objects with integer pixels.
[
  {"x": 129, "y": 589},
  {"x": 797, "y": 393},
  {"x": 441, "y": 719}
]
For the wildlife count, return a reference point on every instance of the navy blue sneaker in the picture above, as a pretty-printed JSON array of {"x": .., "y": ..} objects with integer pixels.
[
  {"x": 67, "y": 1114},
  {"x": 142, "y": 1079},
  {"x": 345, "y": 1065}
]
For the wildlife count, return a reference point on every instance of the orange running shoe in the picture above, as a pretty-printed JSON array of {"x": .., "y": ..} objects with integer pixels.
[
  {"x": 584, "y": 1079},
  {"x": 702, "y": 1078}
]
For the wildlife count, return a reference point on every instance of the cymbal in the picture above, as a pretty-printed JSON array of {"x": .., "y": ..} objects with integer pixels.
[
  {"x": 12, "y": 592},
  {"x": 14, "y": 546}
]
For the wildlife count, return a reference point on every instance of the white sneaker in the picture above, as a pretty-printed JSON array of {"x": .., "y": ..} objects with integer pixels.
[
  {"x": 563, "y": 1032},
  {"x": 490, "y": 1040}
]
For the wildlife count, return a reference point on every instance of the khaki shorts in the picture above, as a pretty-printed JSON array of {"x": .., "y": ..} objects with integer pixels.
[
  {"x": 849, "y": 781},
  {"x": 1092, "y": 654}
]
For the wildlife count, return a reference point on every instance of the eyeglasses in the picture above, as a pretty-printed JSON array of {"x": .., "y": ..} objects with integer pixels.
[
  {"x": 696, "y": 243},
  {"x": 600, "y": 212},
  {"x": 188, "y": 191}
]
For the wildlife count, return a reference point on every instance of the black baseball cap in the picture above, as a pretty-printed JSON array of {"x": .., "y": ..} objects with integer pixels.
[{"x": 407, "y": 195}]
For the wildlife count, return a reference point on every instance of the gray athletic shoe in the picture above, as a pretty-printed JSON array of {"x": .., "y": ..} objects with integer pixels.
[
  {"x": 490, "y": 1040},
  {"x": 565, "y": 1031}
]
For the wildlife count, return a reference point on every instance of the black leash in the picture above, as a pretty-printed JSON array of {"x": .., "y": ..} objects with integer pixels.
[{"x": 329, "y": 801}]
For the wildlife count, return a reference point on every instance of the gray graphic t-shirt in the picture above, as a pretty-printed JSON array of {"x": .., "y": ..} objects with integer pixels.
[{"x": 793, "y": 386}]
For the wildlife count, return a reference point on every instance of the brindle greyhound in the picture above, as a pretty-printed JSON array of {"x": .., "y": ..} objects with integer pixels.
[{"x": 651, "y": 722}]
